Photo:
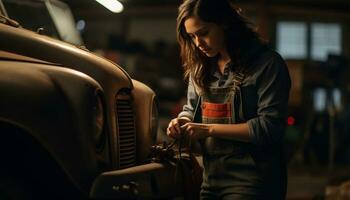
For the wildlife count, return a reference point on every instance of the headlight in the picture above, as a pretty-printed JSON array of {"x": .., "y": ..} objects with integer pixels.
[
  {"x": 154, "y": 120},
  {"x": 98, "y": 121}
]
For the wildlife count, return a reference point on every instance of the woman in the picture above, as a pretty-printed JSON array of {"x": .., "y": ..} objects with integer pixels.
[{"x": 236, "y": 103}]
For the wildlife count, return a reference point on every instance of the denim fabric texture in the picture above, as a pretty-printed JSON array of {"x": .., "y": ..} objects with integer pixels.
[
  {"x": 255, "y": 169},
  {"x": 264, "y": 94}
]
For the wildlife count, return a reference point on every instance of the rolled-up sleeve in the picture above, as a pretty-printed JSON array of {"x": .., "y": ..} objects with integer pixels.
[
  {"x": 192, "y": 99},
  {"x": 273, "y": 86}
]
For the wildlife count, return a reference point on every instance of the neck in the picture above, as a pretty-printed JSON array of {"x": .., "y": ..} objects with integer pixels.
[{"x": 224, "y": 57}]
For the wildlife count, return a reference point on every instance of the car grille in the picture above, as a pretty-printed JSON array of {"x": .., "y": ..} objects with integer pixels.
[{"x": 127, "y": 132}]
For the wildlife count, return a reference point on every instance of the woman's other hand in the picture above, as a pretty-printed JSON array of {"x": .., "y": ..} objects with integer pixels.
[
  {"x": 174, "y": 127},
  {"x": 196, "y": 130}
]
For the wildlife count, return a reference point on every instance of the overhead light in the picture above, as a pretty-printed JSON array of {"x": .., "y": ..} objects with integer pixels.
[{"x": 112, "y": 5}]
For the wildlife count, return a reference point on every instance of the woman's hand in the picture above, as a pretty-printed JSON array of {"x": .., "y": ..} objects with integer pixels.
[
  {"x": 197, "y": 130},
  {"x": 174, "y": 129}
]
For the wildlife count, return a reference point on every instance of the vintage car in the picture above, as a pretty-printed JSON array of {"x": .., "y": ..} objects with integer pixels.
[{"x": 73, "y": 125}]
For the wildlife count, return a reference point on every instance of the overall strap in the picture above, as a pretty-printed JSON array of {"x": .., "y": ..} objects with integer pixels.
[
  {"x": 238, "y": 79},
  {"x": 197, "y": 111},
  {"x": 196, "y": 88}
]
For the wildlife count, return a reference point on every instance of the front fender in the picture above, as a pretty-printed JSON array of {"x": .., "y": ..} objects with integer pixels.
[
  {"x": 54, "y": 105},
  {"x": 110, "y": 76}
]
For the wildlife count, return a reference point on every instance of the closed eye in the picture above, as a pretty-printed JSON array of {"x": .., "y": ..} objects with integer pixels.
[
  {"x": 191, "y": 36},
  {"x": 202, "y": 32}
]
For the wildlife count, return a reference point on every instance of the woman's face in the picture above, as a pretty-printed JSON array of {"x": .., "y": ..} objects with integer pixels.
[{"x": 208, "y": 37}]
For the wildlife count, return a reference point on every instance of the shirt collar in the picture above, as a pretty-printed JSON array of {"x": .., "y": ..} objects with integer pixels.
[
  {"x": 249, "y": 51},
  {"x": 215, "y": 71}
]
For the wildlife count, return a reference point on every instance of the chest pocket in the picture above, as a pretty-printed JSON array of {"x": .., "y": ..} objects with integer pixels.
[{"x": 216, "y": 113}]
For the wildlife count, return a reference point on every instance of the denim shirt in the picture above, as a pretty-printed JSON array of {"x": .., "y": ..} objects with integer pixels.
[{"x": 265, "y": 93}]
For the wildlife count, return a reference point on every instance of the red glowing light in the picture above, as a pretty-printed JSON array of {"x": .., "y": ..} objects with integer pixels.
[{"x": 290, "y": 121}]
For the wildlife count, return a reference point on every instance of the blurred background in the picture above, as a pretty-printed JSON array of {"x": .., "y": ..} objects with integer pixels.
[{"x": 313, "y": 36}]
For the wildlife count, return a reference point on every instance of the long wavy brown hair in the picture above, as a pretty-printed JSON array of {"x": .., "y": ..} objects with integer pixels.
[{"x": 238, "y": 33}]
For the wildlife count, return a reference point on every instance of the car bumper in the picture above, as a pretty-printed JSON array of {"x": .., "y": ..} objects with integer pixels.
[{"x": 153, "y": 180}]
